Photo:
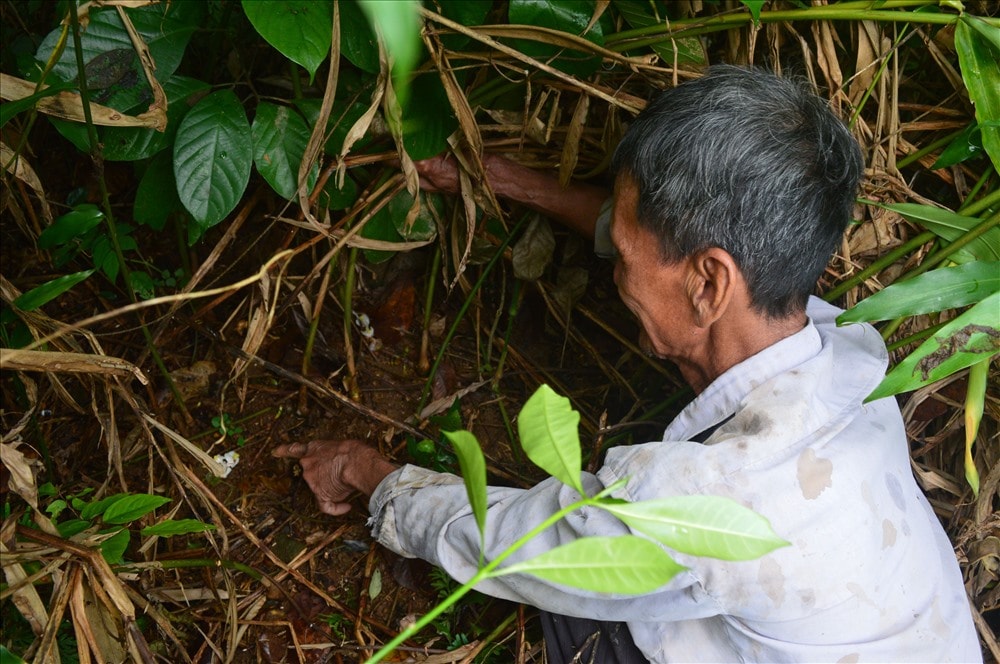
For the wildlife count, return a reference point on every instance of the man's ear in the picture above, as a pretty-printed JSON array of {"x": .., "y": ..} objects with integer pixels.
[{"x": 713, "y": 278}]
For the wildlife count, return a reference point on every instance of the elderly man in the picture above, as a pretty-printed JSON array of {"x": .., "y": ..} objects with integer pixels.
[{"x": 731, "y": 192}]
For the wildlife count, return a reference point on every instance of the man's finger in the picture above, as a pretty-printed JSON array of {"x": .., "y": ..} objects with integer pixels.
[{"x": 291, "y": 451}]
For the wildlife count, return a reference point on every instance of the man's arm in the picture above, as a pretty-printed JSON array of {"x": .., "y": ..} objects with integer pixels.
[{"x": 575, "y": 206}]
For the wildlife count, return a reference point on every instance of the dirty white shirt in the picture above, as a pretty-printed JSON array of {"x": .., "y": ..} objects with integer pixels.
[{"x": 870, "y": 575}]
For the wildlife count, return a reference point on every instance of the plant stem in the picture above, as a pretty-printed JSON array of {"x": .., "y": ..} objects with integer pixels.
[
  {"x": 481, "y": 575},
  {"x": 845, "y": 11},
  {"x": 946, "y": 252},
  {"x": 927, "y": 149},
  {"x": 352, "y": 387},
  {"x": 879, "y": 265},
  {"x": 989, "y": 200},
  {"x": 423, "y": 363},
  {"x": 464, "y": 308},
  {"x": 975, "y": 190},
  {"x": 109, "y": 219}
]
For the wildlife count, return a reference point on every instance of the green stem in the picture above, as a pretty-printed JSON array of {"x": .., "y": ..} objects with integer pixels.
[
  {"x": 845, "y": 11},
  {"x": 879, "y": 265},
  {"x": 464, "y": 308},
  {"x": 188, "y": 563},
  {"x": 109, "y": 219},
  {"x": 915, "y": 337},
  {"x": 425, "y": 335},
  {"x": 986, "y": 202},
  {"x": 352, "y": 259},
  {"x": 975, "y": 190},
  {"x": 946, "y": 252},
  {"x": 481, "y": 575},
  {"x": 919, "y": 154}
]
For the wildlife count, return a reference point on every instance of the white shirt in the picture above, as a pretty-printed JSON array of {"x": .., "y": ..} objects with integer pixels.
[{"x": 870, "y": 574}]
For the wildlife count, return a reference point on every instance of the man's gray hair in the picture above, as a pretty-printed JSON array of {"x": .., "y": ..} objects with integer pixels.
[{"x": 754, "y": 164}]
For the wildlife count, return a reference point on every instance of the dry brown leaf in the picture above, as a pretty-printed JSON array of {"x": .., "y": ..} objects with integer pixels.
[
  {"x": 571, "y": 148},
  {"x": 27, "y": 600},
  {"x": 37, "y": 360},
  {"x": 19, "y": 167},
  {"x": 69, "y": 106}
]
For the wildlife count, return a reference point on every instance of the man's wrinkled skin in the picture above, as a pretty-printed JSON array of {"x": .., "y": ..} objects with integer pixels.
[{"x": 335, "y": 469}]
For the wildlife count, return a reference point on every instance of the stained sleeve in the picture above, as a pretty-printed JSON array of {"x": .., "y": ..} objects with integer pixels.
[{"x": 422, "y": 514}]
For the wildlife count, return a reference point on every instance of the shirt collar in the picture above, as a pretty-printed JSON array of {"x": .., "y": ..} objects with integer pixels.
[{"x": 724, "y": 395}]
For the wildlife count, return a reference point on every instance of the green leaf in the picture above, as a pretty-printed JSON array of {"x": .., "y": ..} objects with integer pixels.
[
  {"x": 133, "y": 506},
  {"x": 754, "y": 6},
  {"x": 357, "y": 39},
  {"x": 428, "y": 124},
  {"x": 171, "y": 527},
  {"x": 280, "y": 136},
  {"x": 639, "y": 14},
  {"x": 113, "y": 548},
  {"x": 389, "y": 223},
  {"x": 547, "y": 426},
  {"x": 569, "y": 16},
  {"x": 975, "y": 400},
  {"x": 709, "y": 526},
  {"x": 97, "y": 507},
  {"x": 978, "y": 46},
  {"x": 299, "y": 29},
  {"x": 623, "y": 565},
  {"x": 213, "y": 153},
  {"x": 964, "y": 341},
  {"x": 936, "y": 290},
  {"x": 467, "y": 12},
  {"x": 951, "y": 226},
  {"x": 135, "y": 143},
  {"x": 7, "y": 657},
  {"x": 156, "y": 197},
  {"x": 72, "y": 527},
  {"x": 70, "y": 226},
  {"x": 967, "y": 145},
  {"x": 49, "y": 291},
  {"x": 473, "y": 465},
  {"x": 164, "y": 27}
]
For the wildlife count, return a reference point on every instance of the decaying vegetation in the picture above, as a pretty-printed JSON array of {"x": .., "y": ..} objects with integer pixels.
[{"x": 171, "y": 297}]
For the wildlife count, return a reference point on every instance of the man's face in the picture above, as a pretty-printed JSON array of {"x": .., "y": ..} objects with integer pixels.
[{"x": 652, "y": 289}]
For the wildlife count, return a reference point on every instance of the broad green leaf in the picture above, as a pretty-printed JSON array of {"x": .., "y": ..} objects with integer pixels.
[
  {"x": 7, "y": 657},
  {"x": 978, "y": 46},
  {"x": 97, "y": 507},
  {"x": 357, "y": 39},
  {"x": 964, "y": 341},
  {"x": 473, "y": 465},
  {"x": 389, "y": 223},
  {"x": 342, "y": 118},
  {"x": 547, "y": 426},
  {"x": 300, "y": 29},
  {"x": 213, "y": 153},
  {"x": 639, "y": 14},
  {"x": 338, "y": 198},
  {"x": 623, "y": 565},
  {"x": 50, "y": 290},
  {"x": 936, "y": 290},
  {"x": 280, "y": 136},
  {"x": 156, "y": 197},
  {"x": 113, "y": 548},
  {"x": 164, "y": 27},
  {"x": 709, "y": 526},
  {"x": 967, "y": 145},
  {"x": 428, "y": 124},
  {"x": 72, "y": 527},
  {"x": 569, "y": 16},
  {"x": 132, "y": 506},
  {"x": 467, "y": 12},
  {"x": 135, "y": 143},
  {"x": 951, "y": 226},
  {"x": 73, "y": 224},
  {"x": 171, "y": 527}
]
